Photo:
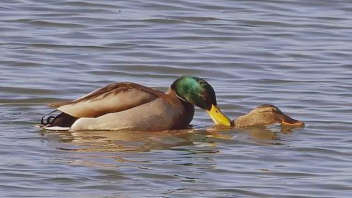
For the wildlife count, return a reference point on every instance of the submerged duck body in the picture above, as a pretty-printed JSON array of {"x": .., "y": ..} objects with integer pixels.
[
  {"x": 264, "y": 115},
  {"x": 130, "y": 106}
]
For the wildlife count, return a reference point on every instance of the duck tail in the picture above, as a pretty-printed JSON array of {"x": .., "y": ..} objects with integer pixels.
[{"x": 56, "y": 120}]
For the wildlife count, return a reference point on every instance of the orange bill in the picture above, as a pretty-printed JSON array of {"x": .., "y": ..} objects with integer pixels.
[{"x": 290, "y": 122}]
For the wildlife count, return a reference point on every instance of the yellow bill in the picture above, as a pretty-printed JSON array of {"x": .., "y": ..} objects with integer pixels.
[{"x": 218, "y": 117}]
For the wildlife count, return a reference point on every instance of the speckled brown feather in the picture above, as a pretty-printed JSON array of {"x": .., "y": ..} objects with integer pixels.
[{"x": 266, "y": 115}]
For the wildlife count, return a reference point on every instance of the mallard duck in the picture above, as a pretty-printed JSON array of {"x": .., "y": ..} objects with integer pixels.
[
  {"x": 266, "y": 114},
  {"x": 130, "y": 106}
]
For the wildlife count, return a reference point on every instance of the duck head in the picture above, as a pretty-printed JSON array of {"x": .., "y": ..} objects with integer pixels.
[
  {"x": 200, "y": 93},
  {"x": 265, "y": 115}
]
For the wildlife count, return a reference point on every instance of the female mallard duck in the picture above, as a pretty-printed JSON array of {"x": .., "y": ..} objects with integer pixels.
[
  {"x": 130, "y": 106},
  {"x": 266, "y": 115}
]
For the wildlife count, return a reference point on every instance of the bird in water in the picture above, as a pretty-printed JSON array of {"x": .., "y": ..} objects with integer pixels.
[
  {"x": 264, "y": 115},
  {"x": 130, "y": 106}
]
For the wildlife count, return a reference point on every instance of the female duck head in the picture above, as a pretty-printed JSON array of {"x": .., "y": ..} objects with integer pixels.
[{"x": 200, "y": 93}]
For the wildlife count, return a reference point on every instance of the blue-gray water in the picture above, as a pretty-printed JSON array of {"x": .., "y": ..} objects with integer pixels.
[{"x": 295, "y": 54}]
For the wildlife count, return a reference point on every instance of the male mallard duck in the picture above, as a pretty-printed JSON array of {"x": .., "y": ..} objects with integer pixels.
[
  {"x": 266, "y": 115},
  {"x": 130, "y": 106}
]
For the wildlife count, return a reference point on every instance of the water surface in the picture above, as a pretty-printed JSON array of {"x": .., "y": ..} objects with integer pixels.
[{"x": 294, "y": 54}]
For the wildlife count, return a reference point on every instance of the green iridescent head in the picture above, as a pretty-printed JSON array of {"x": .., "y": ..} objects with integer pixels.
[
  {"x": 199, "y": 92},
  {"x": 195, "y": 91}
]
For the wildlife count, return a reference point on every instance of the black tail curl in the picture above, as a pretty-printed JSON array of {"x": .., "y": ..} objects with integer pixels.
[{"x": 57, "y": 118}]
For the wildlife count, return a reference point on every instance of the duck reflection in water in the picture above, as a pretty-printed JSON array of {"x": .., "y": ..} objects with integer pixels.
[{"x": 125, "y": 141}]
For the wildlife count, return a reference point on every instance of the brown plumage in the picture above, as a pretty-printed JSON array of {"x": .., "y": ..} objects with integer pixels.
[
  {"x": 126, "y": 106},
  {"x": 114, "y": 97},
  {"x": 266, "y": 115}
]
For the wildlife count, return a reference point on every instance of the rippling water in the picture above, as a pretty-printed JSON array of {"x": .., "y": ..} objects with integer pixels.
[{"x": 295, "y": 54}]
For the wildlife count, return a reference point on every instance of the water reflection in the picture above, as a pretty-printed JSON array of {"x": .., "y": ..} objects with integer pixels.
[
  {"x": 142, "y": 141},
  {"x": 123, "y": 141},
  {"x": 269, "y": 133},
  {"x": 259, "y": 134}
]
